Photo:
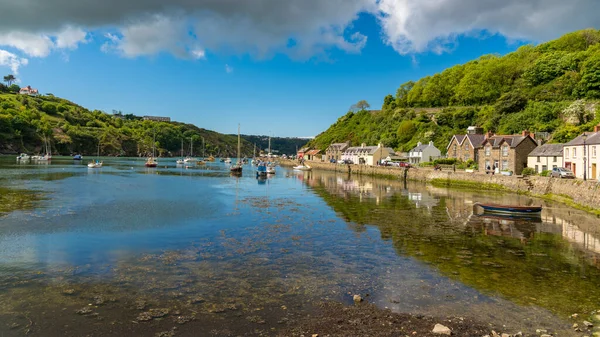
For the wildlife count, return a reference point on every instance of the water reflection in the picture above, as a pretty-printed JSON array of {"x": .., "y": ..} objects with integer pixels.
[
  {"x": 217, "y": 248},
  {"x": 549, "y": 261}
]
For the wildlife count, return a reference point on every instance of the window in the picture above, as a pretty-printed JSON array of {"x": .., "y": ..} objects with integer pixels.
[
  {"x": 567, "y": 153},
  {"x": 536, "y": 169},
  {"x": 454, "y": 150},
  {"x": 554, "y": 159},
  {"x": 574, "y": 153},
  {"x": 488, "y": 150},
  {"x": 538, "y": 159},
  {"x": 487, "y": 164},
  {"x": 544, "y": 168},
  {"x": 505, "y": 151},
  {"x": 593, "y": 152},
  {"x": 466, "y": 156},
  {"x": 504, "y": 165}
]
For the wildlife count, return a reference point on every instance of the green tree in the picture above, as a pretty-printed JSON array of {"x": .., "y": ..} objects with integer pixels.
[
  {"x": 9, "y": 79},
  {"x": 14, "y": 88}
]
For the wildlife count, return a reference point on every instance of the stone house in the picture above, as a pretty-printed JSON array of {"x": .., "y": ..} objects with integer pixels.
[
  {"x": 424, "y": 153},
  {"x": 506, "y": 152},
  {"x": 367, "y": 155},
  {"x": 335, "y": 151},
  {"x": 466, "y": 147},
  {"x": 546, "y": 157},
  {"x": 574, "y": 155}
]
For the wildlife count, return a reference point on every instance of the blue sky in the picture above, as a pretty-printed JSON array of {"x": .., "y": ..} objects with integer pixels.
[{"x": 288, "y": 78}]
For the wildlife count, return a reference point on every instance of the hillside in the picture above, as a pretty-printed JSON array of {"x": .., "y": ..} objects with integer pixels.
[
  {"x": 551, "y": 88},
  {"x": 26, "y": 120},
  {"x": 279, "y": 145}
]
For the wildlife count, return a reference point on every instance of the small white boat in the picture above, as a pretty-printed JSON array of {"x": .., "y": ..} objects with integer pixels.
[
  {"x": 302, "y": 168},
  {"x": 95, "y": 164},
  {"x": 180, "y": 161},
  {"x": 228, "y": 161},
  {"x": 23, "y": 157},
  {"x": 190, "y": 160},
  {"x": 270, "y": 169}
]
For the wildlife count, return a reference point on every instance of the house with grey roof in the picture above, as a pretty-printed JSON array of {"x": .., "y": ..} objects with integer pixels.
[
  {"x": 506, "y": 152},
  {"x": 576, "y": 156},
  {"x": 466, "y": 147},
  {"x": 423, "y": 153},
  {"x": 367, "y": 155},
  {"x": 546, "y": 157}
]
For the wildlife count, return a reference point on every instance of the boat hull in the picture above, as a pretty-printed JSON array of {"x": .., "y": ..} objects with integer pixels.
[{"x": 508, "y": 209}]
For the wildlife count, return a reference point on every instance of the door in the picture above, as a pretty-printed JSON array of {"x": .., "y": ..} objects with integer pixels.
[
  {"x": 573, "y": 168},
  {"x": 594, "y": 171}
]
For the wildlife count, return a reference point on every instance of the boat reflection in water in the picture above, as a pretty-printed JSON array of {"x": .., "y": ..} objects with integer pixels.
[{"x": 520, "y": 227}]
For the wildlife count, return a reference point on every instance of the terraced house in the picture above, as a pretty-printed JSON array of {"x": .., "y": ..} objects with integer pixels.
[
  {"x": 335, "y": 151},
  {"x": 466, "y": 147},
  {"x": 506, "y": 152}
]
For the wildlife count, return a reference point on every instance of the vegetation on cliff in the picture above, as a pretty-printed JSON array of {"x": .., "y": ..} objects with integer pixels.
[
  {"x": 25, "y": 121},
  {"x": 551, "y": 88}
]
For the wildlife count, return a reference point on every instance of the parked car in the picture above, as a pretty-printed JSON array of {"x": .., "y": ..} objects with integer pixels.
[
  {"x": 404, "y": 164},
  {"x": 561, "y": 172}
]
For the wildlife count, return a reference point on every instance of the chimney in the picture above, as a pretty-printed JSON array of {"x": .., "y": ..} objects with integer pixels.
[
  {"x": 419, "y": 144},
  {"x": 532, "y": 135},
  {"x": 489, "y": 134},
  {"x": 597, "y": 128},
  {"x": 363, "y": 144},
  {"x": 379, "y": 145},
  {"x": 430, "y": 143},
  {"x": 525, "y": 133}
]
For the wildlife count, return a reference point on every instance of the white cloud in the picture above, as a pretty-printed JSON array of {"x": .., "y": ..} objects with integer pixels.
[
  {"x": 12, "y": 61},
  {"x": 228, "y": 69},
  {"x": 301, "y": 29},
  {"x": 198, "y": 53},
  {"x": 34, "y": 45},
  {"x": 70, "y": 37},
  {"x": 414, "y": 26}
]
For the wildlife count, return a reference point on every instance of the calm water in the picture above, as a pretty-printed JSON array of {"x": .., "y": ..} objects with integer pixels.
[{"x": 221, "y": 252}]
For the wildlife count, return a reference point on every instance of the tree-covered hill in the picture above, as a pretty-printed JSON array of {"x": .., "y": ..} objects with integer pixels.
[
  {"x": 279, "y": 145},
  {"x": 552, "y": 87},
  {"x": 25, "y": 121}
]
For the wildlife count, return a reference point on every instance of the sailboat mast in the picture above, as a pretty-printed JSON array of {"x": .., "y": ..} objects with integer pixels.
[
  {"x": 269, "y": 144},
  {"x": 191, "y": 146},
  {"x": 203, "y": 149},
  {"x": 239, "y": 144}
]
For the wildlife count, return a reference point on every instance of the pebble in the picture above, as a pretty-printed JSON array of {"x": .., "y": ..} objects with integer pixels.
[
  {"x": 441, "y": 330},
  {"x": 357, "y": 298},
  {"x": 588, "y": 324}
]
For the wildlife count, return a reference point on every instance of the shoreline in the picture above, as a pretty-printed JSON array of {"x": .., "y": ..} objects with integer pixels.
[{"x": 579, "y": 194}]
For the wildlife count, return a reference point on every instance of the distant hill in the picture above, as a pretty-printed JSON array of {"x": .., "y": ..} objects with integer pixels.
[
  {"x": 553, "y": 88},
  {"x": 26, "y": 120},
  {"x": 279, "y": 145}
]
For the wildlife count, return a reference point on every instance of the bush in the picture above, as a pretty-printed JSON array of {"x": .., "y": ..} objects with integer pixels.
[
  {"x": 528, "y": 171},
  {"x": 545, "y": 173},
  {"x": 445, "y": 161}
]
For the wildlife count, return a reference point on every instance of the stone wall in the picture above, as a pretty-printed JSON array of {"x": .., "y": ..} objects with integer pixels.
[{"x": 581, "y": 193}]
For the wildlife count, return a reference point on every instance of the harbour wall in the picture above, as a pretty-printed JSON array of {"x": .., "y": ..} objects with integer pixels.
[{"x": 575, "y": 192}]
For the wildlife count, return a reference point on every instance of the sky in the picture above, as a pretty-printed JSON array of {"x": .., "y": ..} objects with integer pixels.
[{"x": 285, "y": 68}]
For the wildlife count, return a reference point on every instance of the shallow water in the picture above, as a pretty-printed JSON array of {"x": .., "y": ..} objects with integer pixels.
[{"x": 247, "y": 255}]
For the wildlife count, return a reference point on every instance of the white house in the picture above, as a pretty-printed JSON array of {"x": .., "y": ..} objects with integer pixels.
[
  {"x": 28, "y": 90},
  {"x": 575, "y": 159},
  {"x": 424, "y": 153},
  {"x": 546, "y": 157},
  {"x": 368, "y": 155}
]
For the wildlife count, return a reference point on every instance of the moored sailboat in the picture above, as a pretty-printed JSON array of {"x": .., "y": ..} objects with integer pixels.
[
  {"x": 237, "y": 168},
  {"x": 151, "y": 161},
  {"x": 181, "y": 160},
  {"x": 97, "y": 163},
  {"x": 190, "y": 159}
]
